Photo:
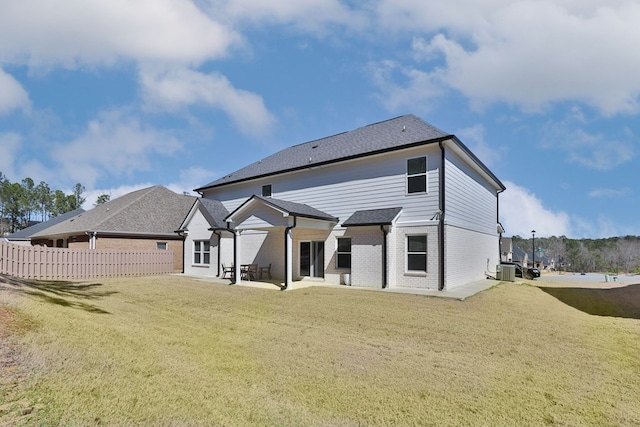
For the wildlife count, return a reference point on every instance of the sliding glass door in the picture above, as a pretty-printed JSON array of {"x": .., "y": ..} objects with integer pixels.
[{"x": 312, "y": 259}]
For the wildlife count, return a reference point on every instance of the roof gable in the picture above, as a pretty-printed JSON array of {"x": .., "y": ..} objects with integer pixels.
[
  {"x": 284, "y": 206},
  {"x": 214, "y": 211}
]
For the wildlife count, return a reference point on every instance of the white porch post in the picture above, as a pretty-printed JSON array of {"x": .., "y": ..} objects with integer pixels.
[
  {"x": 236, "y": 257},
  {"x": 289, "y": 254}
]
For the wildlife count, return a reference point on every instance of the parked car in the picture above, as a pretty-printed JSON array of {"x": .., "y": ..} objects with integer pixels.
[{"x": 530, "y": 272}]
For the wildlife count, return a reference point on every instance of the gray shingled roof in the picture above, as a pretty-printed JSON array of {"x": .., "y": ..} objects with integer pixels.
[
  {"x": 215, "y": 212},
  {"x": 292, "y": 208},
  {"x": 151, "y": 211},
  {"x": 26, "y": 233},
  {"x": 401, "y": 132},
  {"x": 372, "y": 217}
]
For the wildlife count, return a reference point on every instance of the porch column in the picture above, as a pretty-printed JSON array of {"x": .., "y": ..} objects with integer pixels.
[
  {"x": 236, "y": 257},
  {"x": 288, "y": 244}
]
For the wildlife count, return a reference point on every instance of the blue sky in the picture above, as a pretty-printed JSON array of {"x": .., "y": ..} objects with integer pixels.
[{"x": 120, "y": 95}]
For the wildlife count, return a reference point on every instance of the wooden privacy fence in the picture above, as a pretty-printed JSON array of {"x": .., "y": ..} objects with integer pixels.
[{"x": 43, "y": 263}]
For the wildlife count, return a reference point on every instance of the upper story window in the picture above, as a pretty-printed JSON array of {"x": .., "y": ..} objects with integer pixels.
[
  {"x": 161, "y": 246},
  {"x": 266, "y": 190},
  {"x": 417, "y": 175},
  {"x": 343, "y": 254}
]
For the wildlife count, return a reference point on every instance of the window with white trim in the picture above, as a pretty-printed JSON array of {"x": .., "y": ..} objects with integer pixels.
[
  {"x": 417, "y": 253},
  {"x": 266, "y": 190},
  {"x": 161, "y": 246},
  {"x": 417, "y": 175},
  {"x": 343, "y": 253},
  {"x": 201, "y": 252}
]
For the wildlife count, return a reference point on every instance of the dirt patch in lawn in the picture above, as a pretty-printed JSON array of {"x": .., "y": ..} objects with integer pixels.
[{"x": 12, "y": 372}]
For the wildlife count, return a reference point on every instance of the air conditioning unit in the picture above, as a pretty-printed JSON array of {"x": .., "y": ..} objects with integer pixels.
[{"x": 508, "y": 273}]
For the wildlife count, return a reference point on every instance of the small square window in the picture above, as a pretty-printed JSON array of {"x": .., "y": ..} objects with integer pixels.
[
  {"x": 266, "y": 190},
  {"x": 161, "y": 246}
]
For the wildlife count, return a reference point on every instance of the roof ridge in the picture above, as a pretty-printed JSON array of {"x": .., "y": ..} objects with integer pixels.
[
  {"x": 133, "y": 200},
  {"x": 352, "y": 130}
]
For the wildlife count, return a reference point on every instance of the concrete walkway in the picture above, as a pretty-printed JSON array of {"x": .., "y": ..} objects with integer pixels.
[{"x": 459, "y": 293}]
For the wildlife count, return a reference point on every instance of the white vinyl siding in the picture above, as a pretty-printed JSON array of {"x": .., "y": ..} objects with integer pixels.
[
  {"x": 340, "y": 189},
  {"x": 470, "y": 202}
]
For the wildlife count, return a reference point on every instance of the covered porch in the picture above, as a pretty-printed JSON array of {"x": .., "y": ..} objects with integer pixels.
[{"x": 276, "y": 221}]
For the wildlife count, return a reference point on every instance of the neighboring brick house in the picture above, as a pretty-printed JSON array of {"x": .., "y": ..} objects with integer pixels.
[
  {"x": 393, "y": 204},
  {"x": 23, "y": 237},
  {"x": 141, "y": 220}
]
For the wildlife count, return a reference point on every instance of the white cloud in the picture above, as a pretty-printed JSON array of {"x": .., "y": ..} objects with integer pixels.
[
  {"x": 12, "y": 94},
  {"x": 315, "y": 16},
  {"x": 91, "y": 196},
  {"x": 528, "y": 53},
  {"x": 70, "y": 33},
  {"x": 403, "y": 87},
  {"x": 521, "y": 211},
  {"x": 11, "y": 144},
  {"x": 610, "y": 192},
  {"x": 473, "y": 138},
  {"x": 193, "y": 177},
  {"x": 592, "y": 150},
  {"x": 180, "y": 88},
  {"x": 113, "y": 145}
]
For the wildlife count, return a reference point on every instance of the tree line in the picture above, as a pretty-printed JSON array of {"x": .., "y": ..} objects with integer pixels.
[
  {"x": 23, "y": 202},
  {"x": 613, "y": 254}
]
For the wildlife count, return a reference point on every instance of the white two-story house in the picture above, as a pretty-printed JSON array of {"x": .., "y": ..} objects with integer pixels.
[{"x": 393, "y": 204}]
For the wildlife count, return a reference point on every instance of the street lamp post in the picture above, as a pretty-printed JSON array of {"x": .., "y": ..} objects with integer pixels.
[{"x": 533, "y": 252}]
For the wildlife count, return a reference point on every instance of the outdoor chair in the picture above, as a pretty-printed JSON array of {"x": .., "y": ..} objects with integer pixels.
[
  {"x": 227, "y": 270},
  {"x": 250, "y": 271},
  {"x": 265, "y": 270}
]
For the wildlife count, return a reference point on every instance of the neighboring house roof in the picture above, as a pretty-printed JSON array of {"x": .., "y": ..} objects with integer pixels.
[
  {"x": 291, "y": 208},
  {"x": 26, "y": 233},
  {"x": 400, "y": 132},
  {"x": 151, "y": 211},
  {"x": 372, "y": 217},
  {"x": 518, "y": 254}
]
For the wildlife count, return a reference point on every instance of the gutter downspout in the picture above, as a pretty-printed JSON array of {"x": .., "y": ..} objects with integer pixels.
[
  {"x": 501, "y": 227},
  {"x": 217, "y": 233},
  {"x": 286, "y": 252},
  {"x": 441, "y": 206},
  {"x": 92, "y": 238},
  {"x": 384, "y": 256},
  {"x": 235, "y": 252}
]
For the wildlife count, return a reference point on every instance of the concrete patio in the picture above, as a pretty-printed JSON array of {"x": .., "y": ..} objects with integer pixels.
[{"x": 459, "y": 293}]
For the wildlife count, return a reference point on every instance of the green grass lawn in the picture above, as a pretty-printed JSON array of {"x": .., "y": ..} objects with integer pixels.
[{"x": 174, "y": 351}]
